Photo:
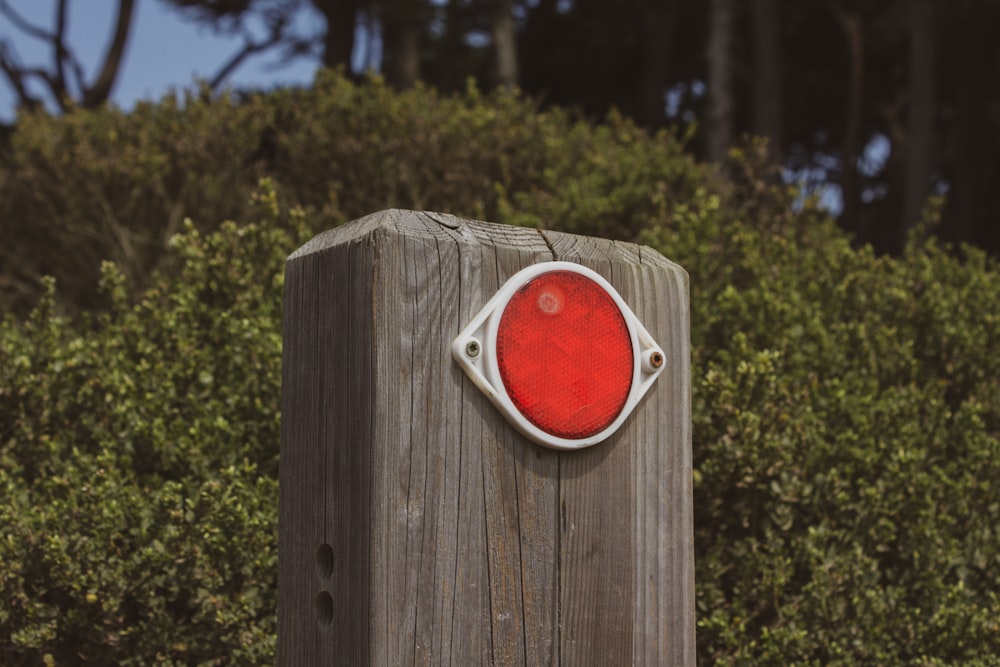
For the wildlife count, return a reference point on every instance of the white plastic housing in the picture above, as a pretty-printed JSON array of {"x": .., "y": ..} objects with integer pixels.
[{"x": 475, "y": 351}]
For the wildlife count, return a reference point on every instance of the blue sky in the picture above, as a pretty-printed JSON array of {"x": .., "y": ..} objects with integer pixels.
[{"x": 164, "y": 52}]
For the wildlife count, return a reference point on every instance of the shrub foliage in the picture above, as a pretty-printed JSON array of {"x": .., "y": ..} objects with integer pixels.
[
  {"x": 847, "y": 407},
  {"x": 139, "y": 456}
]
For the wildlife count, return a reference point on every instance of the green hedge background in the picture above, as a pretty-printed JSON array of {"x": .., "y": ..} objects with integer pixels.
[{"x": 847, "y": 406}]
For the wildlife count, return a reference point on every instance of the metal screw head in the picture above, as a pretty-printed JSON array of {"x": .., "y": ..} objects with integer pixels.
[
  {"x": 656, "y": 359},
  {"x": 472, "y": 349}
]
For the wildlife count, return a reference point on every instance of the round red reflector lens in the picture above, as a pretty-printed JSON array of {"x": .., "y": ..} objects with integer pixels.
[{"x": 565, "y": 354}]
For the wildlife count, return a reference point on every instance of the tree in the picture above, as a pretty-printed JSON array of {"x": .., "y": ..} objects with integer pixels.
[
  {"x": 504, "y": 43},
  {"x": 920, "y": 137},
  {"x": 586, "y": 54},
  {"x": 66, "y": 81},
  {"x": 658, "y": 18},
  {"x": 969, "y": 91},
  {"x": 403, "y": 23},
  {"x": 342, "y": 17},
  {"x": 768, "y": 96},
  {"x": 398, "y": 24},
  {"x": 719, "y": 115},
  {"x": 264, "y": 25},
  {"x": 885, "y": 101},
  {"x": 852, "y": 25}
]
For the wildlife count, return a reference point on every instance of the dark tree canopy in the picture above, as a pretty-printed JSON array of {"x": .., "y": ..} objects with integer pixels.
[{"x": 881, "y": 103}]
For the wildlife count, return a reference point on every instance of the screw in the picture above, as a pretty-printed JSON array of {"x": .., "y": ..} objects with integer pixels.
[
  {"x": 472, "y": 349},
  {"x": 656, "y": 359}
]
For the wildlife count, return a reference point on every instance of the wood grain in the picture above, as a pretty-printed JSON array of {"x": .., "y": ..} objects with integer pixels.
[{"x": 454, "y": 539}]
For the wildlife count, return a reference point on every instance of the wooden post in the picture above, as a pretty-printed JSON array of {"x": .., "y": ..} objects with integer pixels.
[{"x": 416, "y": 525}]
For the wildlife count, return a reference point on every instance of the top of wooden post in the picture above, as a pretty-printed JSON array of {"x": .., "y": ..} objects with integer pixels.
[{"x": 447, "y": 227}]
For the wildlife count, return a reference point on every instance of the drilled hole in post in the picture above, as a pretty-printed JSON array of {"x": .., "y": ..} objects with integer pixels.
[
  {"x": 324, "y": 608},
  {"x": 324, "y": 560}
]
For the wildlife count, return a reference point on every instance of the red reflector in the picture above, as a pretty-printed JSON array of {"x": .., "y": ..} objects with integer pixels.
[
  {"x": 560, "y": 354},
  {"x": 565, "y": 354}
]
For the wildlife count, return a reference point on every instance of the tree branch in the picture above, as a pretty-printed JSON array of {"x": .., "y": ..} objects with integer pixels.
[
  {"x": 23, "y": 25},
  {"x": 250, "y": 47},
  {"x": 61, "y": 56},
  {"x": 59, "y": 52},
  {"x": 15, "y": 76},
  {"x": 97, "y": 94}
]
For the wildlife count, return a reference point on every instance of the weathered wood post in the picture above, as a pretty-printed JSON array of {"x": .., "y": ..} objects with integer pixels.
[{"x": 417, "y": 526}]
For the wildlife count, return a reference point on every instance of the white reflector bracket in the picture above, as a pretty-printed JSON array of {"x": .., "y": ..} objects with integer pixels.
[{"x": 560, "y": 354}]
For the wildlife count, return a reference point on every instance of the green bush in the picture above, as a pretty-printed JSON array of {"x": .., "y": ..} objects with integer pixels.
[
  {"x": 88, "y": 187},
  {"x": 846, "y": 406},
  {"x": 138, "y": 451},
  {"x": 108, "y": 185},
  {"x": 847, "y": 452}
]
